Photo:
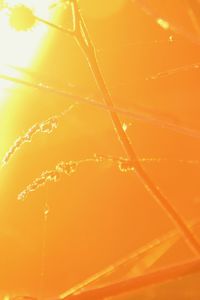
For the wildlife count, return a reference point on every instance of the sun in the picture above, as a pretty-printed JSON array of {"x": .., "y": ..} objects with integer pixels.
[
  {"x": 21, "y": 48},
  {"x": 23, "y": 40},
  {"x": 21, "y": 17}
]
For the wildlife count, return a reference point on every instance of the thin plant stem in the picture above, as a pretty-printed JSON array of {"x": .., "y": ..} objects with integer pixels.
[
  {"x": 193, "y": 9},
  {"x": 58, "y": 27},
  {"x": 85, "y": 43},
  {"x": 173, "y": 27},
  {"x": 134, "y": 259},
  {"x": 137, "y": 115},
  {"x": 133, "y": 284}
]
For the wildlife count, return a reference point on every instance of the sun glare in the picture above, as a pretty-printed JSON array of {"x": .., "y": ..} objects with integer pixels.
[{"x": 21, "y": 48}]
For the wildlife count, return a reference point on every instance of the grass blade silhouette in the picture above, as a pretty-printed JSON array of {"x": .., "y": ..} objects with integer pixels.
[{"x": 134, "y": 264}]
